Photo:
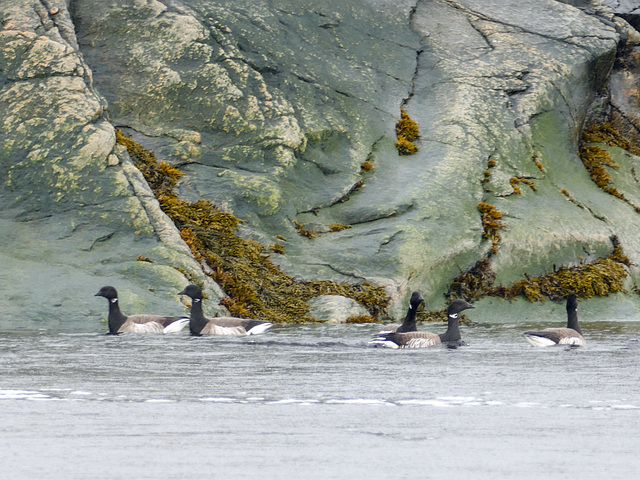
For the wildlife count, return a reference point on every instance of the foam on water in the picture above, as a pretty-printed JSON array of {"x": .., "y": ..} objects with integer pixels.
[
  {"x": 438, "y": 402},
  {"x": 23, "y": 395}
]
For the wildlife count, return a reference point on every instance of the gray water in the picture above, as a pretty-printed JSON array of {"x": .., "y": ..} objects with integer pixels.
[{"x": 313, "y": 402}]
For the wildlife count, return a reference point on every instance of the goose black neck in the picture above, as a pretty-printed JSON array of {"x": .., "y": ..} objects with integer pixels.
[
  {"x": 572, "y": 321},
  {"x": 116, "y": 317},
  {"x": 453, "y": 331},
  {"x": 197, "y": 321},
  {"x": 409, "y": 323}
]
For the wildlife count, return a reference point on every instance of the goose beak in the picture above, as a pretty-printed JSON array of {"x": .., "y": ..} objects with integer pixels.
[{"x": 182, "y": 292}]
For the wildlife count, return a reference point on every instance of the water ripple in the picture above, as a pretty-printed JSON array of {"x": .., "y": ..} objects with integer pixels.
[{"x": 452, "y": 401}]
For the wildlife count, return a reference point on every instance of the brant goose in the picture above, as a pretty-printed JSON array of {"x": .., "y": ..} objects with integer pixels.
[
  {"x": 409, "y": 323},
  {"x": 119, "y": 323},
  {"x": 426, "y": 339},
  {"x": 200, "y": 325},
  {"x": 572, "y": 335}
]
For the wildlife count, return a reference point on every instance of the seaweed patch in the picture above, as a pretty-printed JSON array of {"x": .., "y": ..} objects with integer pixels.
[
  {"x": 305, "y": 232},
  {"x": 537, "y": 162},
  {"x": 491, "y": 224},
  {"x": 598, "y": 278},
  {"x": 407, "y": 131},
  {"x": 474, "y": 283},
  {"x": 366, "y": 166},
  {"x": 361, "y": 319},
  {"x": 515, "y": 181},
  {"x": 255, "y": 287},
  {"x": 277, "y": 248},
  {"x": 596, "y": 159}
]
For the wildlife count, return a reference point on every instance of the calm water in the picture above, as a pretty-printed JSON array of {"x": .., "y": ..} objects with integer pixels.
[{"x": 313, "y": 402}]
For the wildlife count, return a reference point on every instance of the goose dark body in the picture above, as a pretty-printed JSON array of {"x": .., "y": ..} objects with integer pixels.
[
  {"x": 415, "y": 339},
  {"x": 201, "y": 325},
  {"x": 120, "y": 323},
  {"x": 571, "y": 335},
  {"x": 409, "y": 323}
]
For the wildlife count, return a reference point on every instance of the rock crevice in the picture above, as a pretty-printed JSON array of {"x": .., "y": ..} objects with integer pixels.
[{"x": 271, "y": 110}]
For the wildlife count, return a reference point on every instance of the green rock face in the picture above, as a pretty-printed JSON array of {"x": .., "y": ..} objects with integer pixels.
[
  {"x": 74, "y": 217},
  {"x": 270, "y": 108}
]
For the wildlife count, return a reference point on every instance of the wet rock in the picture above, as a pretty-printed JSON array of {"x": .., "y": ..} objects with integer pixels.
[
  {"x": 334, "y": 308},
  {"x": 271, "y": 111},
  {"x": 72, "y": 218}
]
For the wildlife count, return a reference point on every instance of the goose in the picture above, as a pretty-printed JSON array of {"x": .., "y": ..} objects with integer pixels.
[
  {"x": 200, "y": 325},
  {"x": 426, "y": 339},
  {"x": 120, "y": 323},
  {"x": 409, "y": 323},
  {"x": 572, "y": 335}
]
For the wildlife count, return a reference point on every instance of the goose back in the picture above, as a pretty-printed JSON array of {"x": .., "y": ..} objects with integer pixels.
[
  {"x": 555, "y": 336},
  {"x": 406, "y": 340}
]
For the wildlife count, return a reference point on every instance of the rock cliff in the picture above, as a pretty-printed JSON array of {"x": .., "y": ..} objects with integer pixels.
[{"x": 271, "y": 108}]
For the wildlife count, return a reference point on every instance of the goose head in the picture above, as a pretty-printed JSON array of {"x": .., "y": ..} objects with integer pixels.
[
  {"x": 192, "y": 291},
  {"x": 456, "y": 307},
  {"x": 109, "y": 293}
]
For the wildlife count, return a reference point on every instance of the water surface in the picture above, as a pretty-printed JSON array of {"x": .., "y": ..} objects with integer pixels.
[{"x": 315, "y": 402}]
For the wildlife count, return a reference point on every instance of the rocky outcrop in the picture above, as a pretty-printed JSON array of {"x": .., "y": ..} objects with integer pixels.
[
  {"x": 271, "y": 110},
  {"x": 74, "y": 214}
]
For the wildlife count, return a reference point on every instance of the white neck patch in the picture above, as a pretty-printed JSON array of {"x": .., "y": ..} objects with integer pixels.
[
  {"x": 453, "y": 315},
  {"x": 196, "y": 300},
  {"x": 114, "y": 300}
]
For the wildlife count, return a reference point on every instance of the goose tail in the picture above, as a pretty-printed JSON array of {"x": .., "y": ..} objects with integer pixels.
[
  {"x": 382, "y": 340},
  {"x": 177, "y": 326},
  {"x": 537, "y": 340},
  {"x": 260, "y": 328}
]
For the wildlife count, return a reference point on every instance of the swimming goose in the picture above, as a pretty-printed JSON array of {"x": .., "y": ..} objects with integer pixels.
[
  {"x": 409, "y": 323},
  {"x": 426, "y": 339},
  {"x": 572, "y": 335},
  {"x": 200, "y": 325},
  {"x": 119, "y": 323}
]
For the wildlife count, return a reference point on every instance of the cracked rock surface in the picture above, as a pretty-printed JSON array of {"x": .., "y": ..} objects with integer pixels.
[
  {"x": 270, "y": 107},
  {"x": 74, "y": 215}
]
